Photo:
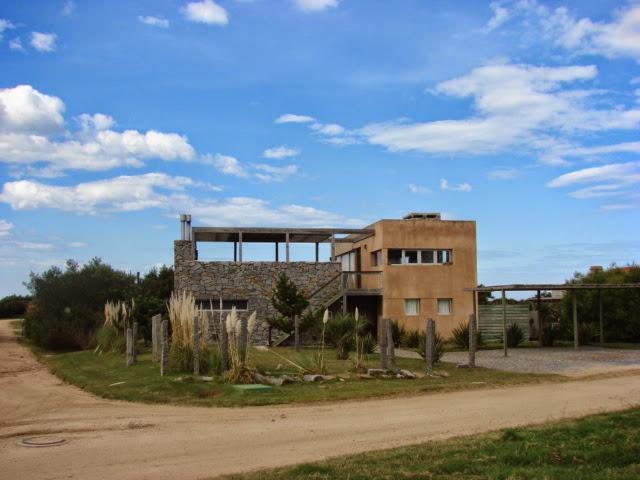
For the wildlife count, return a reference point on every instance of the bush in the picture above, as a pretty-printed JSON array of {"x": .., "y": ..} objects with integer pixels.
[
  {"x": 548, "y": 335},
  {"x": 588, "y": 333},
  {"x": 515, "y": 335},
  {"x": 422, "y": 346},
  {"x": 111, "y": 340},
  {"x": 460, "y": 336},
  {"x": 412, "y": 339},
  {"x": 398, "y": 333},
  {"x": 14, "y": 306},
  {"x": 340, "y": 332}
]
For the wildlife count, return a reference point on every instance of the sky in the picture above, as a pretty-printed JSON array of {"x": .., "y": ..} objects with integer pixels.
[{"x": 522, "y": 115}]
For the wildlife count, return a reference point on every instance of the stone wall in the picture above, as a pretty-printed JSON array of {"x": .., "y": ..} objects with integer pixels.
[{"x": 251, "y": 281}]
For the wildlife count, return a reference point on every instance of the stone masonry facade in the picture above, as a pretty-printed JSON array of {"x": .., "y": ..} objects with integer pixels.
[{"x": 251, "y": 281}]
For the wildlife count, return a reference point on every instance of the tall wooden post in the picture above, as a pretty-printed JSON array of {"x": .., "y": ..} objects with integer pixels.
[
  {"x": 195, "y": 345},
  {"x": 504, "y": 321},
  {"x": 600, "y": 316},
  {"x": 129, "y": 347},
  {"x": 134, "y": 342},
  {"x": 333, "y": 247},
  {"x": 277, "y": 253},
  {"x": 473, "y": 340},
  {"x": 240, "y": 246},
  {"x": 382, "y": 342},
  {"x": 540, "y": 318},
  {"x": 391, "y": 348},
  {"x": 574, "y": 301},
  {"x": 235, "y": 251},
  {"x": 286, "y": 248},
  {"x": 430, "y": 346},
  {"x": 317, "y": 252},
  {"x": 164, "y": 348},
  {"x": 155, "y": 337}
]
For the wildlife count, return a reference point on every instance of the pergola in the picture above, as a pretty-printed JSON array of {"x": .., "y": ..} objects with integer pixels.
[
  {"x": 570, "y": 287},
  {"x": 240, "y": 235}
]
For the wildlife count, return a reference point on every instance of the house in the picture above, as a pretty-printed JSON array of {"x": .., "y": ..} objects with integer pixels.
[{"x": 405, "y": 269}]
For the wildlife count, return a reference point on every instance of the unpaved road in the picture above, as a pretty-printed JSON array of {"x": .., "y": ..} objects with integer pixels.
[{"x": 119, "y": 440}]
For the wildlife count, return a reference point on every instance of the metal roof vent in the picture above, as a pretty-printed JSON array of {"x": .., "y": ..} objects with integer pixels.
[{"x": 422, "y": 216}]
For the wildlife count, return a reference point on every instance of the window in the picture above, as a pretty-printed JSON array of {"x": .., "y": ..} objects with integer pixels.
[
  {"x": 427, "y": 256},
  {"x": 445, "y": 306},
  {"x": 226, "y": 304},
  {"x": 444, "y": 256},
  {"x": 348, "y": 261},
  {"x": 376, "y": 258},
  {"x": 410, "y": 256},
  {"x": 412, "y": 306},
  {"x": 395, "y": 257}
]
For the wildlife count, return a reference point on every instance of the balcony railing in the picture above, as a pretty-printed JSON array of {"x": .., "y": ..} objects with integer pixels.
[{"x": 353, "y": 281}]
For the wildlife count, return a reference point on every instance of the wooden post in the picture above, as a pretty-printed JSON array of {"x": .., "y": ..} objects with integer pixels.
[
  {"x": 391, "y": 350},
  {"x": 286, "y": 248},
  {"x": 224, "y": 343},
  {"x": 134, "y": 342},
  {"x": 240, "y": 246},
  {"x": 473, "y": 340},
  {"x": 574, "y": 301},
  {"x": 296, "y": 332},
  {"x": 317, "y": 252},
  {"x": 155, "y": 338},
  {"x": 235, "y": 251},
  {"x": 277, "y": 253},
  {"x": 129, "y": 347},
  {"x": 195, "y": 346},
  {"x": 540, "y": 318},
  {"x": 504, "y": 321},
  {"x": 430, "y": 345},
  {"x": 164, "y": 348},
  {"x": 600, "y": 316},
  {"x": 382, "y": 342}
]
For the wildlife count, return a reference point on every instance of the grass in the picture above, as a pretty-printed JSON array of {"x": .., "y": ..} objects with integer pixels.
[
  {"x": 605, "y": 446},
  {"x": 143, "y": 383}
]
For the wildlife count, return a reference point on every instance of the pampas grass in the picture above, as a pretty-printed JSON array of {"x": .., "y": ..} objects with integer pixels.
[
  {"x": 117, "y": 318},
  {"x": 238, "y": 335},
  {"x": 182, "y": 310}
]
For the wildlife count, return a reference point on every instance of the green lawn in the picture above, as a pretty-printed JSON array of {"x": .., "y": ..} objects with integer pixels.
[
  {"x": 600, "y": 447},
  {"x": 142, "y": 382}
]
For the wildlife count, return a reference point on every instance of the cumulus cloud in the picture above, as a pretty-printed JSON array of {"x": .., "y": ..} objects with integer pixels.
[
  {"x": 207, "y": 12},
  {"x": 43, "y": 42},
  {"x": 226, "y": 164},
  {"x": 23, "y": 109},
  {"x": 270, "y": 173},
  {"x": 293, "y": 118},
  {"x": 500, "y": 16},
  {"x": 280, "y": 152},
  {"x": 154, "y": 21},
  {"x": 310, "y": 6},
  {"x": 166, "y": 193},
  {"x": 330, "y": 129},
  {"x": 462, "y": 187}
]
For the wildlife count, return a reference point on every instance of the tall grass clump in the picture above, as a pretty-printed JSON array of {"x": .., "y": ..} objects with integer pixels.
[
  {"x": 460, "y": 336},
  {"x": 117, "y": 318},
  {"x": 515, "y": 335},
  {"x": 182, "y": 311},
  {"x": 239, "y": 334},
  {"x": 422, "y": 346}
]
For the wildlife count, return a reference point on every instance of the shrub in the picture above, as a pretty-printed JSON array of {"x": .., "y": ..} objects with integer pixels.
[
  {"x": 548, "y": 335},
  {"x": 460, "y": 336},
  {"x": 588, "y": 333},
  {"x": 398, "y": 332},
  {"x": 412, "y": 339},
  {"x": 68, "y": 305},
  {"x": 340, "y": 331},
  {"x": 14, "y": 306},
  {"x": 422, "y": 346},
  {"x": 515, "y": 335},
  {"x": 111, "y": 340}
]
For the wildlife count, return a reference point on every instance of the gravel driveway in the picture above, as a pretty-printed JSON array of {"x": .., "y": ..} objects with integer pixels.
[{"x": 564, "y": 361}]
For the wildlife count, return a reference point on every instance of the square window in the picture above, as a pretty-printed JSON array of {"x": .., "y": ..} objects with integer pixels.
[
  {"x": 412, "y": 306},
  {"x": 395, "y": 257},
  {"x": 427, "y": 256},
  {"x": 445, "y": 306},
  {"x": 410, "y": 256},
  {"x": 444, "y": 256}
]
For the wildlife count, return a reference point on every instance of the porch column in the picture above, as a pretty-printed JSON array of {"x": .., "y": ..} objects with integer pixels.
[
  {"x": 277, "y": 253},
  {"x": 235, "y": 251},
  {"x": 333, "y": 247},
  {"x": 539, "y": 309},
  {"x": 317, "y": 252},
  {"x": 286, "y": 249},
  {"x": 504, "y": 321}
]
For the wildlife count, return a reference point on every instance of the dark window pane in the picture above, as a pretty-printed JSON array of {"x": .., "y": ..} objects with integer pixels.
[
  {"x": 427, "y": 256},
  {"x": 410, "y": 256},
  {"x": 395, "y": 257}
]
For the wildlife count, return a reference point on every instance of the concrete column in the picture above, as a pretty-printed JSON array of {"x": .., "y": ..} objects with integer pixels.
[
  {"x": 129, "y": 346},
  {"x": 155, "y": 337},
  {"x": 391, "y": 350},
  {"x": 240, "y": 247},
  {"x": 317, "y": 252},
  {"x": 333, "y": 247},
  {"x": 235, "y": 251},
  {"x": 164, "y": 349},
  {"x": 430, "y": 345},
  {"x": 188, "y": 219},
  {"x": 382, "y": 342},
  {"x": 540, "y": 319},
  {"x": 574, "y": 301},
  {"x": 473, "y": 340},
  {"x": 504, "y": 321},
  {"x": 183, "y": 219},
  {"x": 277, "y": 253}
]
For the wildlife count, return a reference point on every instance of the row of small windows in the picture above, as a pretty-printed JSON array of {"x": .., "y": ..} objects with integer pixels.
[
  {"x": 412, "y": 306},
  {"x": 414, "y": 257}
]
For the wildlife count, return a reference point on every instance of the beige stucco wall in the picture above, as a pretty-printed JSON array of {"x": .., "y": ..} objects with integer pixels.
[{"x": 426, "y": 282}]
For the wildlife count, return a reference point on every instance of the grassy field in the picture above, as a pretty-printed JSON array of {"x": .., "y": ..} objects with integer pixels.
[
  {"x": 142, "y": 382},
  {"x": 600, "y": 447}
]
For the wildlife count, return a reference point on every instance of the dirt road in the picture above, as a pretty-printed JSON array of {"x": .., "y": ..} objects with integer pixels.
[{"x": 119, "y": 440}]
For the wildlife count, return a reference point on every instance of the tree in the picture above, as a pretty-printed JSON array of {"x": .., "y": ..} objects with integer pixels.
[
  {"x": 289, "y": 301},
  {"x": 14, "y": 306}
]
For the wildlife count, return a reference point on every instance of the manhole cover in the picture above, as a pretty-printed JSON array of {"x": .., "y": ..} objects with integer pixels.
[{"x": 42, "y": 441}]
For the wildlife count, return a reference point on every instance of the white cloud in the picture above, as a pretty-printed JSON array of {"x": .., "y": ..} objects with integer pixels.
[
  {"x": 43, "y": 42},
  {"x": 24, "y": 109},
  {"x": 293, "y": 118},
  {"x": 281, "y": 152},
  {"x": 207, "y": 12},
  {"x": 68, "y": 8},
  {"x": 76, "y": 244},
  {"x": 154, "y": 21},
  {"x": 500, "y": 16},
  {"x": 417, "y": 189},
  {"x": 161, "y": 191},
  {"x": 16, "y": 44},
  {"x": 270, "y": 173},
  {"x": 331, "y": 129},
  {"x": 37, "y": 246},
  {"x": 462, "y": 187},
  {"x": 5, "y": 25},
  {"x": 226, "y": 164},
  {"x": 309, "y": 6},
  {"x": 619, "y": 172},
  {"x": 5, "y": 228}
]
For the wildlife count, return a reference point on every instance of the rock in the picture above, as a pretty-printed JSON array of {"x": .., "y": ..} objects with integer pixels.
[
  {"x": 312, "y": 378},
  {"x": 376, "y": 372},
  {"x": 327, "y": 378},
  {"x": 401, "y": 373}
]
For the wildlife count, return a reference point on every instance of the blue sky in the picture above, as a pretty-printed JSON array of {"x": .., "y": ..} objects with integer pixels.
[{"x": 522, "y": 115}]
